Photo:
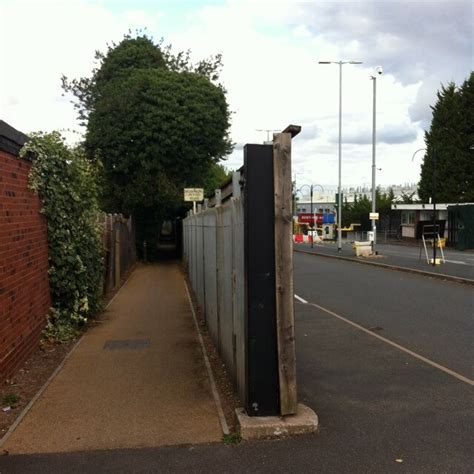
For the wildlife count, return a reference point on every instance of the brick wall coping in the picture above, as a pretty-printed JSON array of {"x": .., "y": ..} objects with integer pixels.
[{"x": 11, "y": 140}]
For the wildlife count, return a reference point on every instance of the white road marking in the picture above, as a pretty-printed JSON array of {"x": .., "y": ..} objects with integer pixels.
[
  {"x": 416, "y": 257},
  {"x": 301, "y": 299},
  {"x": 444, "y": 369}
]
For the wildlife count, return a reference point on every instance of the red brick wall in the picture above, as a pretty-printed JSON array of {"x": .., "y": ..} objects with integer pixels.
[{"x": 24, "y": 288}]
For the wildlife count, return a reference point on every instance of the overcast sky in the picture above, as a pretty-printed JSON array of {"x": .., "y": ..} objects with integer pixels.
[{"x": 270, "y": 51}]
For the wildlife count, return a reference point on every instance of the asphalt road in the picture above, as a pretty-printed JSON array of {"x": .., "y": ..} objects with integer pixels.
[
  {"x": 428, "y": 316},
  {"x": 381, "y": 409},
  {"x": 394, "y": 402},
  {"x": 458, "y": 264}
]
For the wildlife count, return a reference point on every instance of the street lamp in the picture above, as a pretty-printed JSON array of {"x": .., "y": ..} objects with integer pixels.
[
  {"x": 379, "y": 71},
  {"x": 339, "y": 207},
  {"x": 433, "y": 198},
  {"x": 311, "y": 187}
]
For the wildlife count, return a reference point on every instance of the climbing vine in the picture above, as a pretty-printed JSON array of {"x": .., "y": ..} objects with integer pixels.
[{"x": 66, "y": 184}]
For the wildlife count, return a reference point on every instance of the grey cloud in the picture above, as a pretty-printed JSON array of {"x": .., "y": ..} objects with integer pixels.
[
  {"x": 390, "y": 134},
  {"x": 309, "y": 131},
  {"x": 395, "y": 134},
  {"x": 428, "y": 41}
]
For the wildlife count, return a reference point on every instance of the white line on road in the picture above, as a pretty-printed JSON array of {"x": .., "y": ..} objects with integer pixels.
[
  {"x": 301, "y": 299},
  {"x": 393, "y": 344}
]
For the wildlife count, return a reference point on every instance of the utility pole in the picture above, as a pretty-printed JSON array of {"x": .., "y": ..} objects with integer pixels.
[{"x": 374, "y": 169}]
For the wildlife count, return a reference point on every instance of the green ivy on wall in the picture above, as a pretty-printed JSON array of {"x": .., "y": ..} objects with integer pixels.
[{"x": 67, "y": 186}]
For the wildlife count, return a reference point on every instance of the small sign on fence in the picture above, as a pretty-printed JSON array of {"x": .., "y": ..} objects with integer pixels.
[{"x": 193, "y": 194}]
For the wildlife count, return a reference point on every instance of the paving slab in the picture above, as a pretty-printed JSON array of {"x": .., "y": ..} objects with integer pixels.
[{"x": 138, "y": 379}]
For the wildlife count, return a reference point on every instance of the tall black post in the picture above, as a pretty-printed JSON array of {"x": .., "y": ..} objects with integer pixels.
[{"x": 262, "y": 393}]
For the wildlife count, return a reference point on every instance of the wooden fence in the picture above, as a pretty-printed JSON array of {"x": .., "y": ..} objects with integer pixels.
[
  {"x": 120, "y": 250},
  {"x": 238, "y": 251}
]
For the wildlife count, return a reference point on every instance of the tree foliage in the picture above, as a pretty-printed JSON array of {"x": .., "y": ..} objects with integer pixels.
[
  {"x": 408, "y": 198},
  {"x": 157, "y": 123},
  {"x": 66, "y": 184},
  {"x": 216, "y": 176},
  {"x": 448, "y": 146},
  {"x": 156, "y": 132},
  {"x": 358, "y": 211}
]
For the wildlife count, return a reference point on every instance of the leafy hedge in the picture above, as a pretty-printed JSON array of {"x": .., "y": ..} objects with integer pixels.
[{"x": 66, "y": 184}]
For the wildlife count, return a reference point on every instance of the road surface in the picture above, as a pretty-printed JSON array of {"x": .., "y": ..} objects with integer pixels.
[{"x": 382, "y": 409}]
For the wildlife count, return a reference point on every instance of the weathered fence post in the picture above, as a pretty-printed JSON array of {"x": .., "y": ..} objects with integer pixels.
[
  {"x": 218, "y": 197},
  {"x": 284, "y": 273},
  {"x": 111, "y": 249},
  {"x": 117, "y": 250}
]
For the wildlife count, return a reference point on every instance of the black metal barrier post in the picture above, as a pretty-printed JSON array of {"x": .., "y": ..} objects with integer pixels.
[{"x": 262, "y": 351}]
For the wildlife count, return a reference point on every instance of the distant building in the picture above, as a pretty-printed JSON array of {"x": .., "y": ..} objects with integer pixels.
[{"x": 455, "y": 221}]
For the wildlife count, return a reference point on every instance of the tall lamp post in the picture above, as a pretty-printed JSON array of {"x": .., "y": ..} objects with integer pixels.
[
  {"x": 379, "y": 71},
  {"x": 313, "y": 223},
  {"x": 339, "y": 207},
  {"x": 433, "y": 198}
]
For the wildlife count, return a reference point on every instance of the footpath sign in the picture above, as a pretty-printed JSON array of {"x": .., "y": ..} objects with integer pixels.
[{"x": 193, "y": 195}]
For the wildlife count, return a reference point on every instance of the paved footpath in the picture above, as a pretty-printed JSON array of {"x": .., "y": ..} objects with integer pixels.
[{"x": 138, "y": 379}]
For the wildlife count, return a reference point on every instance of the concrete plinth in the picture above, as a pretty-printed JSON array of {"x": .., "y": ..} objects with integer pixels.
[{"x": 259, "y": 427}]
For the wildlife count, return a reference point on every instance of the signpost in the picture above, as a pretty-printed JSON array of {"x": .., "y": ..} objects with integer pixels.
[
  {"x": 372, "y": 236},
  {"x": 194, "y": 195}
]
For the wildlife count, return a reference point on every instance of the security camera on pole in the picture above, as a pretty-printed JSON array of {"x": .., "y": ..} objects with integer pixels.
[{"x": 373, "y": 214}]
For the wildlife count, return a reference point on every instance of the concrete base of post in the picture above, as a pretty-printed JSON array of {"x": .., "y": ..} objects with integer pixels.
[{"x": 264, "y": 427}]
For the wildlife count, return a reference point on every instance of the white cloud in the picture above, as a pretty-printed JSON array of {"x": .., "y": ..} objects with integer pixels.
[
  {"x": 270, "y": 52},
  {"x": 40, "y": 41}
]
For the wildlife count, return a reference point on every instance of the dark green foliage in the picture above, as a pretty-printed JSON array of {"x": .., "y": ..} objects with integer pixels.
[
  {"x": 11, "y": 399},
  {"x": 448, "y": 142},
  {"x": 156, "y": 132},
  {"x": 216, "y": 176},
  {"x": 157, "y": 123},
  {"x": 120, "y": 60},
  {"x": 408, "y": 198},
  {"x": 232, "y": 438},
  {"x": 359, "y": 210},
  {"x": 128, "y": 56},
  {"x": 354, "y": 212},
  {"x": 66, "y": 184}
]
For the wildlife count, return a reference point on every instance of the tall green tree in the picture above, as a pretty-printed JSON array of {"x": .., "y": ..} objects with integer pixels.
[
  {"x": 157, "y": 122},
  {"x": 156, "y": 132},
  {"x": 448, "y": 144}
]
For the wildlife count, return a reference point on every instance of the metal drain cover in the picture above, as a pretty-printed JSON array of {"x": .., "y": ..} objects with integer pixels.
[{"x": 132, "y": 344}]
